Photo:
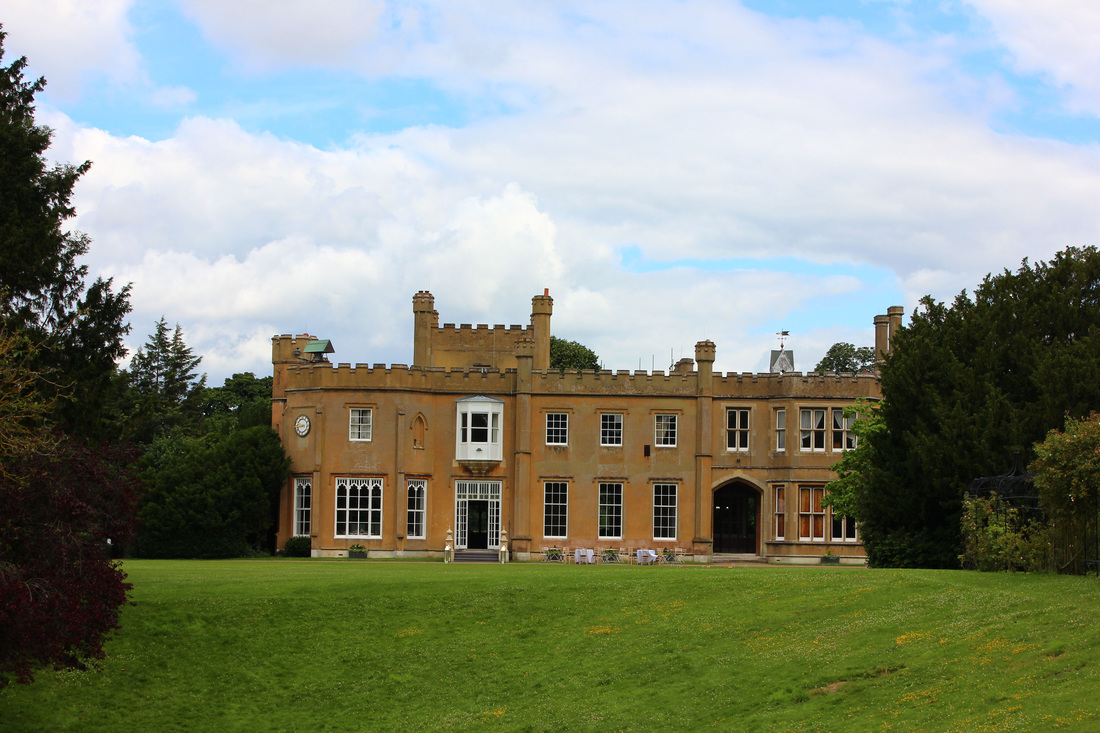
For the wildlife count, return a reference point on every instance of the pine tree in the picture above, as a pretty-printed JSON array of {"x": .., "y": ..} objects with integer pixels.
[
  {"x": 78, "y": 330},
  {"x": 167, "y": 391}
]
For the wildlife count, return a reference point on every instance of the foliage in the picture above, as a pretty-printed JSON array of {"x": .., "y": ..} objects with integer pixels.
[
  {"x": 23, "y": 411},
  {"x": 1067, "y": 473},
  {"x": 59, "y": 591},
  {"x": 298, "y": 547},
  {"x": 244, "y": 401},
  {"x": 60, "y": 500},
  {"x": 996, "y": 537},
  {"x": 164, "y": 389},
  {"x": 42, "y": 286},
  {"x": 543, "y": 647},
  {"x": 964, "y": 385},
  {"x": 844, "y": 357},
  {"x": 211, "y": 496},
  {"x": 855, "y": 471},
  {"x": 571, "y": 355}
]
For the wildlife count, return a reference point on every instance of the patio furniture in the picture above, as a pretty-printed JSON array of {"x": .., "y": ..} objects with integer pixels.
[
  {"x": 553, "y": 554},
  {"x": 647, "y": 557}
]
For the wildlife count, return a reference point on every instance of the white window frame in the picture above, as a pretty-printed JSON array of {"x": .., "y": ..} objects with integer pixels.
[
  {"x": 303, "y": 506},
  {"x": 555, "y": 508},
  {"x": 809, "y": 507},
  {"x": 780, "y": 430},
  {"x": 360, "y": 424},
  {"x": 610, "y": 505},
  {"x": 471, "y": 412},
  {"x": 416, "y": 515},
  {"x": 737, "y": 429},
  {"x": 812, "y": 429},
  {"x": 611, "y": 429},
  {"x": 779, "y": 493},
  {"x": 842, "y": 431},
  {"x": 848, "y": 529},
  {"x": 664, "y": 511},
  {"x": 359, "y": 516},
  {"x": 467, "y": 491},
  {"x": 557, "y": 428},
  {"x": 664, "y": 436}
]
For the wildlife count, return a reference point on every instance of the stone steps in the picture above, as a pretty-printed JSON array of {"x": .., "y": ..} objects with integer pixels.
[
  {"x": 720, "y": 558},
  {"x": 483, "y": 556}
]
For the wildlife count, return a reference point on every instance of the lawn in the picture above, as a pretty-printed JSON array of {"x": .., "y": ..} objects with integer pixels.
[{"x": 370, "y": 646}]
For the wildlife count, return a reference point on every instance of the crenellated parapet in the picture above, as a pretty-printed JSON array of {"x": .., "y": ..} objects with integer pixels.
[{"x": 463, "y": 380}]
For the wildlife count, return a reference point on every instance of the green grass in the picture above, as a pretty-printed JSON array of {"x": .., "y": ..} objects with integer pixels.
[{"x": 341, "y": 645}]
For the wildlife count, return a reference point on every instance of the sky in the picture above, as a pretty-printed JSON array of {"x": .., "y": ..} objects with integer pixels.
[{"x": 670, "y": 171}]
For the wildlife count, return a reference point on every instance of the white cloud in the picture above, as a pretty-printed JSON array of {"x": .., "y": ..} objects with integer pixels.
[
  {"x": 263, "y": 34},
  {"x": 68, "y": 40},
  {"x": 1059, "y": 39},
  {"x": 709, "y": 133}
]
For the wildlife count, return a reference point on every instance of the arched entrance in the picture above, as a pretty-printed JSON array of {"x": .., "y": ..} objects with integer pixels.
[{"x": 736, "y": 519}]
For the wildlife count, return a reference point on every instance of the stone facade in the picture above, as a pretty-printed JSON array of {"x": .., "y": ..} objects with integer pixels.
[{"x": 480, "y": 437}]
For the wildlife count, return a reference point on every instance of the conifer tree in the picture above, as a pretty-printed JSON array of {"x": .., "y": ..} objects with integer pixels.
[
  {"x": 967, "y": 384},
  {"x": 77, "y": 330}
]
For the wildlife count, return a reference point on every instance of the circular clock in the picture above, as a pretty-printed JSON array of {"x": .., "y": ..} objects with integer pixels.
[{"x": 301, "y": 426}]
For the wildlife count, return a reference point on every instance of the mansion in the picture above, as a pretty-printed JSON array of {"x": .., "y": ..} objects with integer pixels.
[{"x": 480, "y": 443}]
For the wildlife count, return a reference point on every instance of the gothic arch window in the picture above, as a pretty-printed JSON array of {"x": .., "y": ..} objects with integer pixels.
[{"x": 419, "y": 431}]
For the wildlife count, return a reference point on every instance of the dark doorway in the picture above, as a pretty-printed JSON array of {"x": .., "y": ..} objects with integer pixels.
[
  {"x": 735, "y": 519},
  {"x": 477, "y": 525}
]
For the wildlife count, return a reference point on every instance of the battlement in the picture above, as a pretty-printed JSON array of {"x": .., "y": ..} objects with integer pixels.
[
  {"x": 480, "y": 346},
  {"x": 464, "y": 380}
]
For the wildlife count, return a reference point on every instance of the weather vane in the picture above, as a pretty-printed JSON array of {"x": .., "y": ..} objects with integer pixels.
[{"x": 782, "y": 335}]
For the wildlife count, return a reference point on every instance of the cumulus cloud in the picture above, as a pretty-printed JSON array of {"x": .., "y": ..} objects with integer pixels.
[
  {"x": 1054, "y": 38},
  {"x": 710, "y": 134},
  {"x": 68, "y": 40}
]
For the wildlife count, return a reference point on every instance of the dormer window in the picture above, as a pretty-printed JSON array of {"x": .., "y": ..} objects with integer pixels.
[{"x": 478, "y": 433}]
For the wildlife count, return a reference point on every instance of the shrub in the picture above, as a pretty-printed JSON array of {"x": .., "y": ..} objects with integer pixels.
[
  {"x": 298, "y": 547},
  {"x": 996, "y": 538}
]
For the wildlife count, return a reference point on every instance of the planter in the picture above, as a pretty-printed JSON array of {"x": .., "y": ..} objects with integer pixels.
[
  {"x": 357, "y": 554},
  {"x": 830, "y": 561}
]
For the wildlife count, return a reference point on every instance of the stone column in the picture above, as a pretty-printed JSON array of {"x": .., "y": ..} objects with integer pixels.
[
  {"x": 424, "y": 321},
  {"x": 702, "y": 535},
  {"x": 542, "y": 306},
  {"x": 521, "y": 505}
]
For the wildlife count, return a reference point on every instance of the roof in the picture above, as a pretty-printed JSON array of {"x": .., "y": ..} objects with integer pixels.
[{"x": 319, "y": 346}]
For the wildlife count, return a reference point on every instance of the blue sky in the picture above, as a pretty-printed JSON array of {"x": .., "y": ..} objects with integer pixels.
[{"x": 672, "y": 171}]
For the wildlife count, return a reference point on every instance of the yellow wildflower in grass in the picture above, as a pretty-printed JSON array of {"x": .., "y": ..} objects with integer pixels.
[{"x": 909, "y": 638}]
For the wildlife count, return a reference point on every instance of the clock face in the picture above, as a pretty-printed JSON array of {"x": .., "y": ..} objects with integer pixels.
[{"x": 301, "y": 426}]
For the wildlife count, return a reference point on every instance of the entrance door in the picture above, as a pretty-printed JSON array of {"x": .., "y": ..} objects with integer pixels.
[
  {"x": 477, "y": 525},
  {"x": 735, "y": 519}
]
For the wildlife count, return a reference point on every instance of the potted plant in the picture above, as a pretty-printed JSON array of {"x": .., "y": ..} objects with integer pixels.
[
  {"x": 357, "y": 552},
  {"x": 829, "y": 558}
]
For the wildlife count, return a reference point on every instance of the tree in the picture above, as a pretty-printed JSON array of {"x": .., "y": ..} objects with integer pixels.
[
  {"x": 212, "y": 496},
  {"x": 571, "y": 355},
  {"x": 966, "y": 384},
  {"x": 42, "y": 286},
  {"x": 844, "y": 357},
  {"x": 243, "y": 401},
  {"x": 855, "y": 469},
  {"x": 60, "y": 593},
  {"x": 1067, "y": 473},
  {"x": 60, "y": 501},
  {"x": 165, "y": 390}
]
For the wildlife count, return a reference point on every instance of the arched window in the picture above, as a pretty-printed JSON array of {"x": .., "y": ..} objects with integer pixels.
[{"x": 419, "y": 430}]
